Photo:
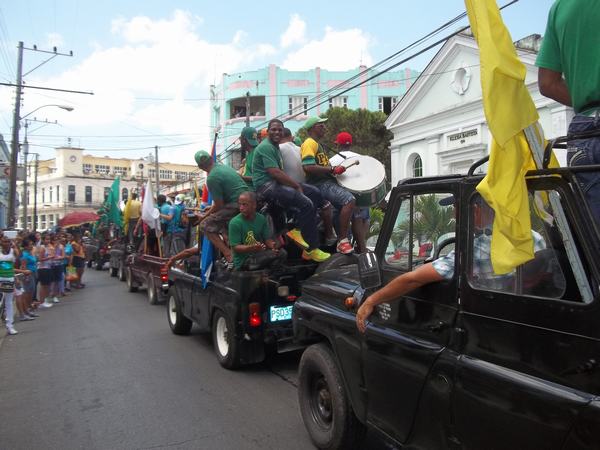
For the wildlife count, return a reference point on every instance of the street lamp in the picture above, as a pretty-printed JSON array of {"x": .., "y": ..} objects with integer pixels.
[{"x": 12, "y": 188}]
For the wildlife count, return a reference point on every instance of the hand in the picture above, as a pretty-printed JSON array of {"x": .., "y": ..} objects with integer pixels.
[
  {"x": 363, "y": 313},
  {"x": 338, "y": 170},
  {"x": 259, "y": 247},
  {"x": 170, "y": 263}
]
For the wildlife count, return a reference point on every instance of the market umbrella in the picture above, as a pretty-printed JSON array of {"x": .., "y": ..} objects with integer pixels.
[{"x": 78, "y": 218}]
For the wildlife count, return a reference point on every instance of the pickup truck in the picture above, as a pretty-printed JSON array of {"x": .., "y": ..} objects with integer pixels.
[
  {"x": 149, "y": 271},
  {"x": 477, "y": 361},
  {"x": 249, "y": 313}
]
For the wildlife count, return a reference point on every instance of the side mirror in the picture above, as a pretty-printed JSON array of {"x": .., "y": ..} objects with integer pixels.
[{"x": 368, "y": 270}]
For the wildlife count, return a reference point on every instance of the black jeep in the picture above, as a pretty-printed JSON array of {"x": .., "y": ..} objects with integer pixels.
[{"x": 478, "y": 361}]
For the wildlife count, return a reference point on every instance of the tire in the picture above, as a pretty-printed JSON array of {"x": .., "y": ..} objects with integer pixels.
[
  {"x": 121, "y": 272},
  {"x": 131, "y": 287},
  {"x": 151, "y": 290},
  {"x": 227, "y": 348},
  {"x": 89, "y": 263},
  {"x": 114, "y": 271},
  {"x": 324, "y": 405},
  {"x": 99, "y": 264},
  {"x": 336, "y": 261},
  {"x": 178, "y": 323}
]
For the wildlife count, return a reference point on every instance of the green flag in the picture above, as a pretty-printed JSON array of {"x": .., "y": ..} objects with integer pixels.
[{"x": 114, "y": 213}]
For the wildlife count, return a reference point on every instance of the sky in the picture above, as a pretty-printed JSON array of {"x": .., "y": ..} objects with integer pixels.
[{"x": 150, "y": 63}]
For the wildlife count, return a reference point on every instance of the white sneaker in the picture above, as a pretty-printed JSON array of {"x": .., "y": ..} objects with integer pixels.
[
  {"x": 55, "y": 300},
  {"x": 46, "y": 304},
  {"x": 11, "y": 330}
]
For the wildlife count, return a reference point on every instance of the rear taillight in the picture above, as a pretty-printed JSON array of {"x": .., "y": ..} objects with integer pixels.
[
  {"x": 164, "y": 275},
  {"x": 254, "y": 310}
]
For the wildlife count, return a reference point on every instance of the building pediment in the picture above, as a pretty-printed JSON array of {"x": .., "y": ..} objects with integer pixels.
[{"x": 450, "y": 83}]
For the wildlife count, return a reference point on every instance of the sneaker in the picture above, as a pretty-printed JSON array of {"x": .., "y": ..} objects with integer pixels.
[
  {"x": 296, "y": 236},
  {"x": 345, "y": 247},
  {"x": 33, "y": 314},
  {"x": 25, "y": 317},
  {"x": 46, "y": 305},
  {"x": 316, "y": 255},
  {"x": 11, "y": 330},
  {"x": 55, "y": 300}
]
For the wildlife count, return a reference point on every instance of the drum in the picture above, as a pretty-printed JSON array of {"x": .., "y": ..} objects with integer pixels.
[{"x": 366, "y": 180}]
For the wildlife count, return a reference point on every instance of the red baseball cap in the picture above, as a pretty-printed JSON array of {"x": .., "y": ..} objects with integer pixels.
[{"x": 344, "y": 138}]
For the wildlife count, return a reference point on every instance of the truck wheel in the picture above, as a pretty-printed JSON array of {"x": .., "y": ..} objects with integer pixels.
[
  {"x": 114, "y": 271},
  {"x": 336, "y": 261},
  {"x": 121, "y": 272},
  {"x": 99, "y": 264},
  {"x": 324, "y": 405},
  {"x": 178, "y": 323},
  {"x": 131, "y": 287},
  {"x": 151, "y": 290},
  {"x": 225, "y": 344},
  {"x": 89, "y": 263}
]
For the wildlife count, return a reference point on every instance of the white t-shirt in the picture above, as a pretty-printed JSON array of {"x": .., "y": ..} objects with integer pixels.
[{"x": 292, "y": 161}]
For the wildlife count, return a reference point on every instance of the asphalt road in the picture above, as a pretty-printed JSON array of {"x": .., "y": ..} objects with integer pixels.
[{"x": 102, "y": 370}]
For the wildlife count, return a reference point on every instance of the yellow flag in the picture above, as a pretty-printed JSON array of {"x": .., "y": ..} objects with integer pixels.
[{"x": 509, "y": 109}]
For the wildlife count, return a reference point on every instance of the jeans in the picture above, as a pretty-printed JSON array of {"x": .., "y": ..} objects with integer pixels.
[
  {"x": 583, "y": 152},
  {"x": 306, "y": 203},
  {"x": 264, "y": 259}
]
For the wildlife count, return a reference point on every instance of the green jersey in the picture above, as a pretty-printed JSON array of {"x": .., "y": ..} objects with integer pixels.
[
  {"x": 266, "y": 156},
  {"x": 571, "y": 46},
  {"x": 224, "y": 183},
  {"x": 247, "y": 232},
  {"x": 248, "y": 168}
]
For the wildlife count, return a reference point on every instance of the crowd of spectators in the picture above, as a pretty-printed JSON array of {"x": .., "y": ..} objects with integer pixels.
[{"x": 36, "y": 271}]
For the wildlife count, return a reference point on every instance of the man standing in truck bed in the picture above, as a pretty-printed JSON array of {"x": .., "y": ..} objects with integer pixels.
[{"x": 571, "y": 48}]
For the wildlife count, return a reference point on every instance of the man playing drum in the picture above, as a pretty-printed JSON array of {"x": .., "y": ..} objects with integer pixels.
[{"x": 320, "y": 174}]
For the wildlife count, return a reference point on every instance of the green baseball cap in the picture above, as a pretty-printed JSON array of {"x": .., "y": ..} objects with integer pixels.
[
  {"x": 202, "y": 157},
  {"x": 313, "y": 121},
  {"x": 250, "y": 134}
]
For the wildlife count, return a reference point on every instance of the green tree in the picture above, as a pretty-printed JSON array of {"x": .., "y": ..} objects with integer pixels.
[{"x": 369, "y": 134}]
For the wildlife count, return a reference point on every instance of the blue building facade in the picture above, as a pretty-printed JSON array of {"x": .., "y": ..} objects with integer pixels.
[{"x": 290, "y": 96}]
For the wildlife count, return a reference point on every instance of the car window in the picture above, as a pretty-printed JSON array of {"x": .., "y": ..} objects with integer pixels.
[
  {"x": 424, "y": 223},
  {"x": 549, "y": 274}
]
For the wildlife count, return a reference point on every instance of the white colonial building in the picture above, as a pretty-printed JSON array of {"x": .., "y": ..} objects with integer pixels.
[
  {"x": 439, "y": 126},
  {"x": 74, "y": 181}
]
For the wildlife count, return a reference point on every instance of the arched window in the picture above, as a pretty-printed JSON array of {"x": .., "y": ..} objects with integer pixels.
[
  {"x": 124, "y": 194},
  {"x": 417, "y": 167}
]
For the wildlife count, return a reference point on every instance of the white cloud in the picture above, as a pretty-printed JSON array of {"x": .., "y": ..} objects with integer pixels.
[
  {"x": 295, "y": 33},
  {"x": 165, "y": 59},
  {"x": 337, "y": 50}
]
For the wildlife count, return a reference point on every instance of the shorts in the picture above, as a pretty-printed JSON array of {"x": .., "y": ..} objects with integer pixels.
[
  {"x": 219, "y": 221},
  {"x": 78, "y": 262},
  {"x": 45, "y": 276},
  {"x": 57, "y": 272},
  {"x": 361, "y": 213},
  {"x": 29, "y": 283},
  {"x": 335, "y": 194}
]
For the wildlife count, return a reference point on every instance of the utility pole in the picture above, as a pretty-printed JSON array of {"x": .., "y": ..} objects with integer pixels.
[
  {"x": 156, "y": 168},
  {"x": 247, "y": 108},
  {"x": 35, "y": 177},
  {"x": 14, "y": 157},
  {"x": 25, "y": 156}
]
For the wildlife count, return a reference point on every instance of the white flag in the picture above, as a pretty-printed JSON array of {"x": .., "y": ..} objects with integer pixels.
[{"x": 149, "y": 211}]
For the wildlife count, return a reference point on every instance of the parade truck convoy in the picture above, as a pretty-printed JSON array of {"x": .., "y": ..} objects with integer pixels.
[{"x": 476, "y": 361}]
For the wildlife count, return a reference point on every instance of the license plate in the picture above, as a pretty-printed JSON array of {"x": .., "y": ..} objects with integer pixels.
[{"x": 279, "y": 313}]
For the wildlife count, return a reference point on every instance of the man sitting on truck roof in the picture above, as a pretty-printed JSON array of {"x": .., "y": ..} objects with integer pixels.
[
  {"x": 225, "y": 186},
  {"x": 249, "y": 237}
]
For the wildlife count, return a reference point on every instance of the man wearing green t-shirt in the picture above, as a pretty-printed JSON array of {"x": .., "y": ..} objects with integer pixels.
[
  {"x": 276, "y": 186},
  {"x": 225, "y": 186},
  {"x": 569, "y": 72},
  {"x": 248, "y": 141},
  {"x": 250, "y": 237}
]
